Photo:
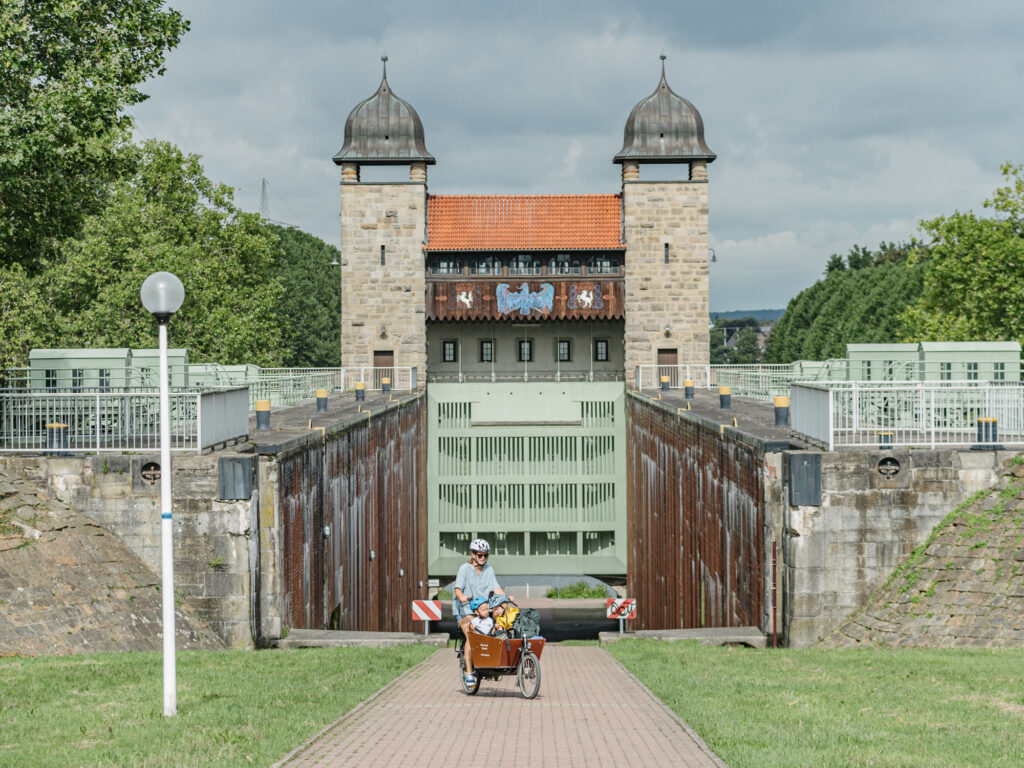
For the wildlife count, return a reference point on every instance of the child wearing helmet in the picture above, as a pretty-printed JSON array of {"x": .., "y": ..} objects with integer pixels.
[
  {"x": 504, "y": 612},
  {"x": 482, "y": 622}
]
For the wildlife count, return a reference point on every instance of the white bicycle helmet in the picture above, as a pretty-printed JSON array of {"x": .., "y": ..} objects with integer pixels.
[{"x": 479, "y": 545}]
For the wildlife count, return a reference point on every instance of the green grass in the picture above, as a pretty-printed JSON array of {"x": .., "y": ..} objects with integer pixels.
[
  {"x": 858, "y": 707},
  {"x": 235, "y": 708},
  {"x": 576, "y": 590}
]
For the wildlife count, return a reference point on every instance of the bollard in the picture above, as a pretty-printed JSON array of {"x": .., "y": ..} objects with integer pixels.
[
  {"x": 321, "y": 401},
  {"x": 781, "y": 411},
  {"x": 664, "y": 383},
  {"x": 725, "y": 397},
  {"x": 885, "y": 440},
  {"x": 262, "y": 414},
  {"x": 360, "y": 391},
  {"x": 988, "y": 434},
  {"x": 688, "y": 389},
  {"x": 385, "y": 385},
  {"x": 57, "y": 438}
]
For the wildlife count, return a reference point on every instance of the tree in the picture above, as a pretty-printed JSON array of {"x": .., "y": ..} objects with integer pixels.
[
  {"x": 310, "y": 304},
  {"x": 734, "y": 341},
  {"x": 68, "y": 70},
  {"x": 862, "y": 302},
  {"x": 974, "y": 290},
  {"x": 168, "y": 216},
  {"x": 23, "y": 317}
]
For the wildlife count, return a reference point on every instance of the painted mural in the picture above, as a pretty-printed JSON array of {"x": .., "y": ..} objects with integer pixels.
[{"x": 524, "y": 300}]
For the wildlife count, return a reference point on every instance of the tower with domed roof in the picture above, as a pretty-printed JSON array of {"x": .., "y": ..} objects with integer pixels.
[
  {"x": 383, "y": 228},
  {"x": 665, "y": 227}
]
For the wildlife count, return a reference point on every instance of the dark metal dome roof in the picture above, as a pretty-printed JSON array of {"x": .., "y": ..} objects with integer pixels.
[
  {"x": 384, "y": 130},
  {"x": 664, "y": 128}
]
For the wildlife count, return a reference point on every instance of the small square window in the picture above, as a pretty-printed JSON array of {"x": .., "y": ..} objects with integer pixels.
[
  {"x": 999, "y": 373},
  {"x": 486, "y": 351},
  {"x": 525, "y": 350},
  {"x": 449, "y": 351},
  {"x": 601, "y": 350},
  {"x": 564, "y": 350},
  {"x": 104, "y": 379},
  {"x": 77, "y": 377},
  {"x": 945, "y": 371},
  {"x": 972, "y": 371},
  {"x": 51, "y": 378}
]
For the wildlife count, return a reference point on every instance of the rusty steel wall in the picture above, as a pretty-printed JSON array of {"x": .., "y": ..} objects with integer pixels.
[
  {"x": 696, "y": 522},
  {"x": 367, "y": 484}
]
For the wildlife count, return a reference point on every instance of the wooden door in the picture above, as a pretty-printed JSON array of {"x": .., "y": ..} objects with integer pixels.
[
  {"x": 383, "y": 367},
  {"x": 668, "y": 360}
]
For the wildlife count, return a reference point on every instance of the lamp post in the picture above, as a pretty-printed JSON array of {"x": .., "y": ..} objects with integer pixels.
[{"x": 162, "y": 294}]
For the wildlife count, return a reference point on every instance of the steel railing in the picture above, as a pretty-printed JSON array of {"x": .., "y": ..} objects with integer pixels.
[
  {"x": 76, "y": 422},
  {"x": 910, "y": 414}
]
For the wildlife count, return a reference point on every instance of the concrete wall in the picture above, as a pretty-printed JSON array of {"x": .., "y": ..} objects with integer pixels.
[
  {"x": 392, "y": 295},
  {"x": 212, "y": 558},
  {"x": 837, "y": 554},
  {"x": 657, "y": 213}
]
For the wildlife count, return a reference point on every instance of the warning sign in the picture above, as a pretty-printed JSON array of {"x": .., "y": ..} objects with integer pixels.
[{"x": 622, "y": 608}]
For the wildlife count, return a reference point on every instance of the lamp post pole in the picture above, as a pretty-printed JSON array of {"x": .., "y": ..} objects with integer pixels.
[{"x": 162, "y": 295}]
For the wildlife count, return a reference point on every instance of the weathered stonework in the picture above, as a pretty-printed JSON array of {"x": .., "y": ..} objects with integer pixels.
[
  {"x": 659, "y": 294},
  {"x": 383, "y": 305}
]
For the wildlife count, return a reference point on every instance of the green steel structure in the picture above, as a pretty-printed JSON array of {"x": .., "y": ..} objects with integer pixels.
[{"x": 538, "y": 469}]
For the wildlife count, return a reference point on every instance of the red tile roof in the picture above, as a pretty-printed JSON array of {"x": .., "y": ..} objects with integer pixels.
[{"x": 524, "y": 222}]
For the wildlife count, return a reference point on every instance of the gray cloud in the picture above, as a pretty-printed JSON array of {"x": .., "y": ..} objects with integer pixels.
[{"x": 834, "y": 124}]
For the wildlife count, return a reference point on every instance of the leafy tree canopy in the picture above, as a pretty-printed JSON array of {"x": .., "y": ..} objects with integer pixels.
[
  {"x": 68, "y": 70},
  {"x": 168, "y": 216},
  {"x": 860, "y": 300},
  {"x": 734, "y": 341},
  {"x": 974, "y": 290},
  {"x": 310, "y": 305}
]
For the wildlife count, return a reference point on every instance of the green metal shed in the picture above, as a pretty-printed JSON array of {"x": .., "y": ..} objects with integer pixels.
[
  {"x": 80, "y": 369},
  {"x": 882, "y": 362},
  {"x": 146, "y": 365},
  {"x": 970, "y": 360}
]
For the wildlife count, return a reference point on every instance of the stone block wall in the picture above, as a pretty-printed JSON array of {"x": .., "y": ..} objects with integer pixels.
[
  {"x": 835, "y": 555},
  {"x": 212, "y": 538},
  {"x": 659, "y": 294},
  {"x": 393, "y": 295}
]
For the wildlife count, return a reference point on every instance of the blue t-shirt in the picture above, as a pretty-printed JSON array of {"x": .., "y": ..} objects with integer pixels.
[{"x": 473, "y": 584}]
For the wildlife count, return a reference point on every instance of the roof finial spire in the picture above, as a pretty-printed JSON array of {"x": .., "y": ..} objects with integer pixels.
[
  {"x": 662, "y": 57},
  {"x": 384, "y": 58}
]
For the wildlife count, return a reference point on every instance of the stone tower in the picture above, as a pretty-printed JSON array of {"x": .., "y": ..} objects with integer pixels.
[
  {"x": 383, "y": 229},
  {"x": 665, "y": 226}
]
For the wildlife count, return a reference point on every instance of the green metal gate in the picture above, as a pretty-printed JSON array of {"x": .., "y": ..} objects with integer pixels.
[{"x": 538, "y": 469}]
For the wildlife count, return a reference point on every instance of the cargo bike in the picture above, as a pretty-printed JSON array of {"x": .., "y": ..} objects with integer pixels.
[{"x": 494, "y": 657}]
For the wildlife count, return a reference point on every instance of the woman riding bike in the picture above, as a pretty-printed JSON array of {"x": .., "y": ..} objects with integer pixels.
[{"x": 474, "y": 579}]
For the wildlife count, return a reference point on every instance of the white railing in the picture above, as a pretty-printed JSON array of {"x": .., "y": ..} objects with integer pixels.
[
  {"x": 910, "y": 414},
  {"x": 72, "y": 422},
  {"x": 288, "y": 386}
]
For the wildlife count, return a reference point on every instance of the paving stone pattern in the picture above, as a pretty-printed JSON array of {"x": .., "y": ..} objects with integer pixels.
[
  {"x": 69, "y": 586},
  {"x": 966, "y": 589},
  {"x": 589, "y": 712}
]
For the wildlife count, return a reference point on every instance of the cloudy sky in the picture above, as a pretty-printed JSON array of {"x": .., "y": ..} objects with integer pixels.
[{"x": 834, "y": 123}]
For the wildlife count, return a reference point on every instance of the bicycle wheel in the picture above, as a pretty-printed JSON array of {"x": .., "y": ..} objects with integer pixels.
[{"x": 529, "y": 675}]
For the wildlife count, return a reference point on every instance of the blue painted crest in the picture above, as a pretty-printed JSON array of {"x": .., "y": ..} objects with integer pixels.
[{"x": 524, "y": 300}]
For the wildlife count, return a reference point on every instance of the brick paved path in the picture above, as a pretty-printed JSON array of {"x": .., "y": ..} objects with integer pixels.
[{"x": 589, "y": 712}]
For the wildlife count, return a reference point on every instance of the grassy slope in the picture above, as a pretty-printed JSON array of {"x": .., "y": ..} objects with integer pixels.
[
  {"x": 863, "y": 707},
  {"x": 234, "y": 707}
]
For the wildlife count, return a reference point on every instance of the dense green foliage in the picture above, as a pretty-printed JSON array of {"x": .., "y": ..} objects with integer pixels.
[
  {"x": 168, "y": 216},
  {"x": 734, "y": 341},
  {"x": 578, "y": 590},
  {"x": 310, "y": 306},
  {"x": 974, "y": 290},
  {"x": 860, "y": 301},
  {"x": 68, "y": 70},
  {"x": 235, "y": 708},
  {"x": 819, "y": 708}
]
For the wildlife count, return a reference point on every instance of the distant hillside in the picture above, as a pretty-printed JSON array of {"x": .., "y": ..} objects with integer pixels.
[{"x": 763, "y": 315}]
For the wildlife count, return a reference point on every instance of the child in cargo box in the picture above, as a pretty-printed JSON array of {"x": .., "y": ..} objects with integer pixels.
[
  {"x": 482, "y": 624},
  {"x": 504, "y": 613}
]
